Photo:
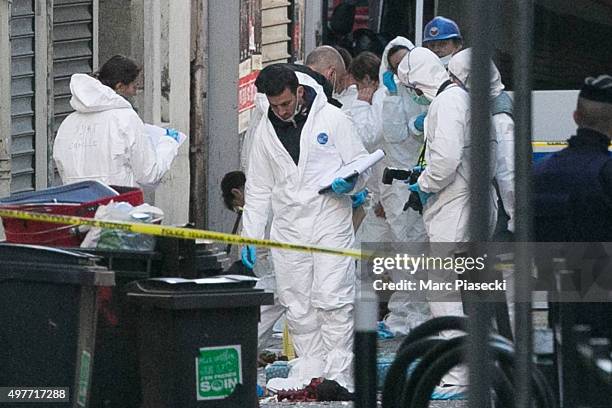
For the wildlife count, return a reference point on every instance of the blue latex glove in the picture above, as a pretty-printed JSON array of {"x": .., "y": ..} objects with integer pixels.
[
  {"x": 341, "y": 186},
  {"x": 419, "y": 122},
  {"x": 389, "y": 82},
  {"x": 383, "y": 333},
  {"x": 422, "y": 195},
  {"x": 248, "y": 256},
  {"x": 173, "y": 133},
  {"x": 359, "y": 198},
  {"x": 418, "y": 169}
]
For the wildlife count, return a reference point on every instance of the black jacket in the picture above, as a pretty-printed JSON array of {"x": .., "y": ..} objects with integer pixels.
[
  {"x": 573, "y": 191},
  {"x": 289, "y": 133}
]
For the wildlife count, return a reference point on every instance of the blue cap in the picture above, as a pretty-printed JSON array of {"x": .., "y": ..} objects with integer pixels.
[{"x": 441, "y": 28}]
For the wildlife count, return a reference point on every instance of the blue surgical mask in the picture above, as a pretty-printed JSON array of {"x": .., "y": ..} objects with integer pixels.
[{"x": 418, "y": 99}]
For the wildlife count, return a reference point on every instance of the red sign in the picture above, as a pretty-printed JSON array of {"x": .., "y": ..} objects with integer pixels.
[{"x": 247, "y": 91}]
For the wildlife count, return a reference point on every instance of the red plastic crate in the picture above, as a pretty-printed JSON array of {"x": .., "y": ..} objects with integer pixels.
[{"x": 61, "y": 235}]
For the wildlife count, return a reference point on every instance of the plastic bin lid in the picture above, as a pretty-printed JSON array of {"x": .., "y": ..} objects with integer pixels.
[
  {"x": 81, "y": 192},
  {"x": 45, "y": 264},
  {"x": 223, "y": 291},
  {"x": 43, "y": 254},
  {"x": 211, "y": 284}
]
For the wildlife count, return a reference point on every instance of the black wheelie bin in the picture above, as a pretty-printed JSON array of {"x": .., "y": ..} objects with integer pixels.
[{"x": 198, "y": 340}]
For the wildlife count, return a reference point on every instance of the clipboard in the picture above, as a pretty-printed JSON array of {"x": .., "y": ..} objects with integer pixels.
[
  {"x": 328, "y": 189},
  {"x": 352, "y": 170}
]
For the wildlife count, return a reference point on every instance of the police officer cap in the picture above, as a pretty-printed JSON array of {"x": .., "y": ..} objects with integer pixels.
[{"x": 597, "y": 89}]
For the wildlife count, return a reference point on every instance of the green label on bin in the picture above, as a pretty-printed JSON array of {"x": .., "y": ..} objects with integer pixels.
[
  {"x": 84, "y": 378},
  {"x": 218, "y": 370}
]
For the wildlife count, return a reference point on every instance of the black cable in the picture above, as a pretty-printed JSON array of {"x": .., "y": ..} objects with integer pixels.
[
  {"x": 435, "y": 326},
  {"x": 433, "y": 375},
  {"x": 430, "y": 357},
  {"x": 396, "y": 376},
  {"x": 506, "y": 355},
  {"x": 419, "y": 343}
]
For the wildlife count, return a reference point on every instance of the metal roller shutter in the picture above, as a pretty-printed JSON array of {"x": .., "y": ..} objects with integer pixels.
[
  {"x": 275, "y": 31},
  {"x": 72, "y": 50},
  {"x": 23, "y": 119}
]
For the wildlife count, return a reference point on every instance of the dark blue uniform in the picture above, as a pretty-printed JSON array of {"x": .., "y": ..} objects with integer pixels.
[
  {"x": 573, "y": 191},
  {"x": 573, "y": 203}
]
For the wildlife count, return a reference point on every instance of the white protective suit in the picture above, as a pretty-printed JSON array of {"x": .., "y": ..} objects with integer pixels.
[
  {"x": 402, "y": 147},
  {"x": 447, "y": 155},
  {"x": 503, "y": 125},
  {"x": 264, "y": 270},
  {"x": 347, "y": 97},
  {"x": 367, "y": 119},
  {"x": 317, "y": 289},
  {"x": 447, "y": 131},
  {"x": 105, "y": 140}
]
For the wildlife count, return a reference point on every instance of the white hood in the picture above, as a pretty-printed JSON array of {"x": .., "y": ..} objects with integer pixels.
[
  {"x": 262, "y": 104},
  {"x": 90, "y": 95},
  {"x": 422, "y": 69},
  {"x": 384, "y": 63},
  {"x": 460, "y": 67}
]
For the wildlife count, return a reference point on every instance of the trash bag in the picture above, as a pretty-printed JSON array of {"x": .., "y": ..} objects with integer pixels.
[{"x": 110, "y": 239}]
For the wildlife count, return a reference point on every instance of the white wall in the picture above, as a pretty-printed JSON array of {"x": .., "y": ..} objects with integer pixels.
[
  {"x": 173, "y": 193},
  {"x": 156, "y": 34},
  {"x": 553, "y": 115}
]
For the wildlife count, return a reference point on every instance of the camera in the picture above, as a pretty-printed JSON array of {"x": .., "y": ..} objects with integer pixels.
[
  {"x": 390, "y": 174},
  {"x": 408, "y": 176}
]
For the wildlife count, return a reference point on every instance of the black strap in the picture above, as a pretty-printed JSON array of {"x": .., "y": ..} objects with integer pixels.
[
  {"x": 444, "y": 85},
  {"x": 421, "y": 159}
]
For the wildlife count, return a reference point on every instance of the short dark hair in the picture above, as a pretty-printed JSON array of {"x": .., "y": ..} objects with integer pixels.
[
  {"x": 366, "y": 63},
  {"x": 232, "y": 180},
  {"x": 275, "y": 78},
  {"x": 118, "y": 69},
  {"x": 395, "y": 49},
  {"x": 345, "y": 54}
]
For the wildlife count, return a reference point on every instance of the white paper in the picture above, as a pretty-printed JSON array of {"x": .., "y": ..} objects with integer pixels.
[
  {"x": 358, "y": 166},
  {"x": 155, "y": 133},
  {"x": 170, "y": 280}
]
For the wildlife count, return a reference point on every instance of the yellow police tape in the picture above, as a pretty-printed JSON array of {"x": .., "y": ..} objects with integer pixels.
[
  {"x": 545, "y": 144},
  {"x": 178, "y": 232}
]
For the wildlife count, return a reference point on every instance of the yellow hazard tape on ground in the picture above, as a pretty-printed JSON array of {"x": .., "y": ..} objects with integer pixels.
[{"x": 178, "y": 232}]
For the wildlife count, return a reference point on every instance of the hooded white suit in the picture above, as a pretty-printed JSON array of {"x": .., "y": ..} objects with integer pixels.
[
  {"x": 264, "y": 267},
  {"x": 317, "y": 289},
  {"x": 448, "y": 151},
  {"x": 402, "y": 147},
  {"x": 105, "y": 140},
  {"x": 503, "y": 125},
  {"x": 447, "y": 156}
]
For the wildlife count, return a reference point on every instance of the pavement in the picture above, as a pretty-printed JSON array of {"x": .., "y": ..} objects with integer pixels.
[
  {"x": 385, "y": 347},
  {"x": 542, "y": 344}
]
